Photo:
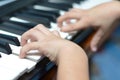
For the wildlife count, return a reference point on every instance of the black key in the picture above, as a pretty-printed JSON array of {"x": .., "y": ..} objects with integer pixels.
[
  {"x": 59, "y": 1},
  {"x": 69, "y": 2},
  {"x": 53, "y": 12},
  {"x": 5, "y": 48},
  {"x": 10, "y": 39},
  {"x": 25, "y": 25},
  {"x": 33, "y": 18},
  {"x": 50, "y": 16},
  {"x": 13, "y": 25},
  {"x": 65, "y": 4},
  {"x": 59, "y": 6},
  {"x": 11, "y": 29},
  {"x": 0, "y": 56},
  {"x": 66, "y": 1}
]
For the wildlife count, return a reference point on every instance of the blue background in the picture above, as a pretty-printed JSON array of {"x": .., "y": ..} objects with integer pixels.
[{"x": 107, "y": 61}]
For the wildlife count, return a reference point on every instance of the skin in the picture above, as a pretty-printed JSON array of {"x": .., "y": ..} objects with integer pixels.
[
  {"x": 100, "y": 17},
  {"x": 71, "y": 59}
]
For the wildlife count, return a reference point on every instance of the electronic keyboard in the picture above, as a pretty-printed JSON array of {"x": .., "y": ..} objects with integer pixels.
[{"x": 18, "y": 16}]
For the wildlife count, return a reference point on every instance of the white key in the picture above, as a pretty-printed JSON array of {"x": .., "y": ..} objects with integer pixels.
[
  {"x": 13, "y": 66},
  {"x": 43, "y": 7},
  {"x": 18, "y": 20},
  {"x": 33, "y": 55},
  {"x": 7, "y": 74},
  {"x": 14, "y": 60}
]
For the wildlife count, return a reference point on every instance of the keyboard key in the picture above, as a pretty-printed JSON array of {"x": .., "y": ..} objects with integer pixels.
[
  {"x": 10, "y": 39},
  {"x": 54, "y": 12},
  {"x": 11, "y": 29},
  {"x": 27, "y": 26},
  {"x": 33, "y": 18},
  {"x": 14, "y": 66},
  {"x": 50, "y": 16},
  {"x": 60, "y": 6},
  {"x": 33, "y": 55},
  {"x": 5, "y": 48}
]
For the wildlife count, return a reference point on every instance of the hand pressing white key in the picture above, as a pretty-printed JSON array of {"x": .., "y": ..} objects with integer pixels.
[{"x": 68, "y": 56}]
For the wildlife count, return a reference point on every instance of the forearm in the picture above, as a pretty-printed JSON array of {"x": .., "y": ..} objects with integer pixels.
[
  {"x": 114, "y": 8},
  {"x": 72, "y": 64},
  {"x": 117, "y": 8}
]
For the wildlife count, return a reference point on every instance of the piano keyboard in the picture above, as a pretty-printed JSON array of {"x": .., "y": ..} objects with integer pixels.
[{"x": 17, "y": 21}]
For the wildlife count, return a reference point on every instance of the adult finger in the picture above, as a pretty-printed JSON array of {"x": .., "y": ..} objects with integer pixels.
[
  {"x": 31, "y": 34},
  {"x": 96, "y": 39},
  {"x": 29, "y": 46},
  {"x": 81, "y": 24},
  {"x": 56, "y": 33},
  {"x": 67, "y": 16},
  {"x": 76, "y": 10},
  {"x": 42, "y": 29}
]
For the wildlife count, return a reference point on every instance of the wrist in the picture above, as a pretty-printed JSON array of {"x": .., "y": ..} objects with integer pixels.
[
  {"x": 71, "y": 50},
  {"x": 116, "y": 9},
  {"x": 73, "y": 60}
]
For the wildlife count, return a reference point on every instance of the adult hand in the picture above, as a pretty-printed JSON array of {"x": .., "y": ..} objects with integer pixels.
[
  {"x": 40, "y": 38},
  {"x": 100, "y": 17}
]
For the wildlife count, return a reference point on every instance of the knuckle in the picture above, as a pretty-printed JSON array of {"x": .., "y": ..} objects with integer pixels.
[
  {"x": 68, "y": 15},
  {"x": 39, "y": 25}
]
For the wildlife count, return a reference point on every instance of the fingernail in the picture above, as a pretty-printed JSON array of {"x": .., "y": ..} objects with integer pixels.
[{"x": 94, "y": 49}]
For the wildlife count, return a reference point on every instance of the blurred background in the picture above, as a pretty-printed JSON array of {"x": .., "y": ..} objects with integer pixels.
[{"x": 106, "y": 62}]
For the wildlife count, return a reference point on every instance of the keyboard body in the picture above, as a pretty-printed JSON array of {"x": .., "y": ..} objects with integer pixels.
[{"x": 18, "y": 16}]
